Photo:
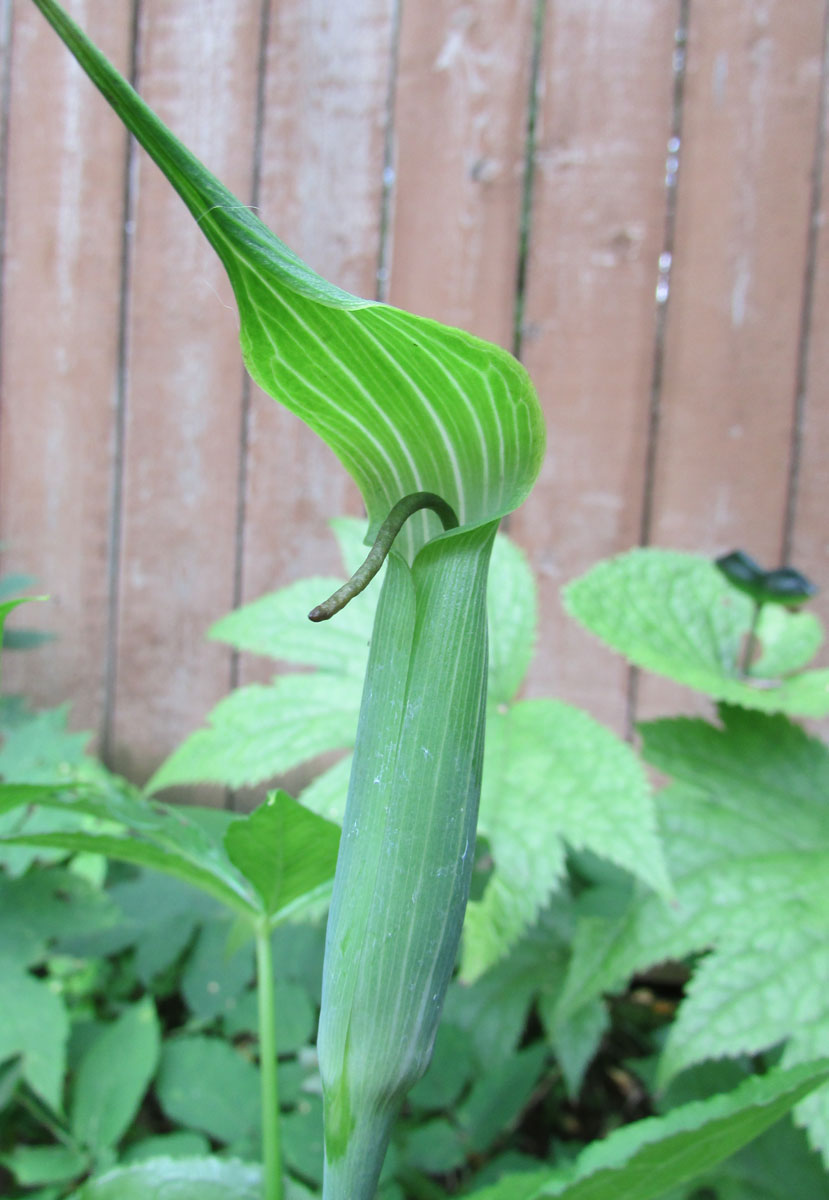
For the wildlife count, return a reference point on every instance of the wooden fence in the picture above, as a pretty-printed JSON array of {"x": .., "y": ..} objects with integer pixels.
[{"x": 670, "y": 299}]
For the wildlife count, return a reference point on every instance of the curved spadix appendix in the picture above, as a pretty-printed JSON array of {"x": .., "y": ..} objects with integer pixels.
[{"x": 407, "y": 404}]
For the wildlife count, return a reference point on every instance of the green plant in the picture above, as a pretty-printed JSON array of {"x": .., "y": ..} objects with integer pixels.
[
  {"x": 409, "y": 407},
  {"x": 480, "y": 1081}
]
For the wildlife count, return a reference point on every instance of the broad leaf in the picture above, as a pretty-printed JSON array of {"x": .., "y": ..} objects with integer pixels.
[
  {"x": 257, "y": 732},
  {"x": 285, "y": 851},
  {"x": 748, "y": 846},
  {"x": 205, "y": 1084},
  {"x": 642, "y": 1161},
  {"x": 677, "y": 615},
  {"x": 113, "y": 1075},
  {"x": 177, "y": 1179},
  {"x": 34, "y": 1026},
  {"x": 553, "y": 777}
]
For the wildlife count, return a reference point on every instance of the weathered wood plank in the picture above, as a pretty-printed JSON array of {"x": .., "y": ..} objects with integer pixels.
[
  {"x": 589, "y": 320},
  {"x": 198, "y": 70},
  {"x": 59, "y": 355},
  {"x": 460, "y": 120},
  {"x": 732, "y": 344},
  {"x": 809, "y": 537}
]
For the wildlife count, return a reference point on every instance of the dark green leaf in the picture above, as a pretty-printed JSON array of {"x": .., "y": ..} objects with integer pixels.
[
  {"x": 113, "y": 1076},
  {"x": 284, "y": 850}
]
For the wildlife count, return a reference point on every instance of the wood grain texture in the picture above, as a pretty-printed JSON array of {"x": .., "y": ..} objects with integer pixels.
[
  {"x": 732, "y": 345},
  {"x": 460, "y": 120},
  {"x": 215, "y": 494},
  {"x": 589, "y": 321},
  {"x": 809, "y": 543},
  {"x": 197, "y": 69},
  {"x": 59, "y": 354}
]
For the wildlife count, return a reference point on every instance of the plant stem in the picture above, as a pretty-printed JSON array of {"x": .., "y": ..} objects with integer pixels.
[
  {"x": 751, "y": 640},
  {"x": 271, "y": 1151}
]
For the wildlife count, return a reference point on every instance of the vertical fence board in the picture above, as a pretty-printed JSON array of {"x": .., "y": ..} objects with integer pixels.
[
  {"x": 460, "y": 118},
  {"x": 64, "y": 210},
  {"x": 321, "y": 190},
  {"x": 732, "y": 343},
  {"x": 810, "y": 535},
  {"x": 589, "y": 317},
  {"x": 197, "y": 69}
]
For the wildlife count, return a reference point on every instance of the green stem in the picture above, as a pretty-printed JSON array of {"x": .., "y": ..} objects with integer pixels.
[
  {"x": 271, "y": 1151},
  {"x": 376, "y": 556},
  {"x": 751, "y": 640}
]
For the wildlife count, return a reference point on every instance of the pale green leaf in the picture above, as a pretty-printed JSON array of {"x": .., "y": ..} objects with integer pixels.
[
  {"x": 260, "y": 731},
  {"x": 113, "y": 1075},
  {"x": 278, "y": 625},
  {"x": 177, "y": 1179},
  {"x": 676, "y": 614},
  {"x": 642, "y": 1161},
  {"x": 512, "y": 612},
  {"x": 284, "y": 850},
  {"x": 553, "y": 777}
]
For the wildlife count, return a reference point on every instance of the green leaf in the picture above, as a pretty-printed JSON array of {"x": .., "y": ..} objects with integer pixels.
[
  {"x": 42, "y": 906},
  {"x": 497, "y": 1098},
  {"x": 204, "y": 1084},
  {"x": 34, "y": 1026},
  {"x": 183, "y": 1144},
  {"x": 749, "y": 855},
  {"x": 553, "y": 777},
  {"x": 126, "y": 848},
  {"x": 642, "y": 1161},
  {"x": 215, "y": 975},
  {"x": 42, "y": 750},
  {"x": 676, "y": 614},
  {"x": 113, "y": 1076},
  {"x": 260, "y": 731},
  {"x": 435, "y": 1146},
  {"x": 512, "y": 611},
  {"x": 177, "y": 1179},
  {"x": 285, "y": 851},
  {"x": 278, "y": 625},
  {"x": 302, "y": 1139},
  {"x": 33, "y": 1165}
]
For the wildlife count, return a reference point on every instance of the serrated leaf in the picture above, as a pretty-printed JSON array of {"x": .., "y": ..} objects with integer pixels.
[
  {"x": 642, "y": 1161},
  {"x": 260, "y": 731},
  {"x": 177, "y": 1179},
  {"x": 278, "y": 625},
  {"x": 749, "y": 855},
  {"x": 676, "y": 614},
  {"x": 553, "y": 776},
  {"x": 113, "y": 1076},
  {"x": 42, "y": 750}
]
